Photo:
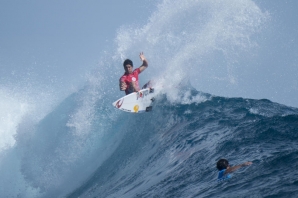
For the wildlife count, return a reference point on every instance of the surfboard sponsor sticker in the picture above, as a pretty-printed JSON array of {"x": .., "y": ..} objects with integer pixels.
[
  {"x": 139, "y": 95},
  {"x": 142, "y": 94},
  {"x": 136, "y": 108},
  {"x": 119, "y": 103}
]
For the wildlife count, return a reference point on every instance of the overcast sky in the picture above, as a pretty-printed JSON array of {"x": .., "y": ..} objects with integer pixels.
[
  {"x": 59, "y": 41},
  {"x": 55, "y": 43}
]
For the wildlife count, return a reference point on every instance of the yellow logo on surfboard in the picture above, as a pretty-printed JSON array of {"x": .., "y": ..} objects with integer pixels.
[{"x": 136, "y": 108}]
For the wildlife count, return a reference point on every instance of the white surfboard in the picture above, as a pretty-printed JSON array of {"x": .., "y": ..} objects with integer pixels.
[{"x": 136, "y": 102}]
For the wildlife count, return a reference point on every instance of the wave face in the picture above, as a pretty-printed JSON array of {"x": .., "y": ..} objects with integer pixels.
[
  {"x": 85, "y": 148},
  {"x": 172, "y": 151},
  {"x": 169, "y": 152}
]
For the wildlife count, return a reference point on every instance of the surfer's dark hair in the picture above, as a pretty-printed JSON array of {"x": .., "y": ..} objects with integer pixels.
[
  {"x": 127, "y": 62},
  {"x": 222, "y": 164}
]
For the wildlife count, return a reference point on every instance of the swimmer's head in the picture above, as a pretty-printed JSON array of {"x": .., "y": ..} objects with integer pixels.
[{"x": 222, "y": 164}]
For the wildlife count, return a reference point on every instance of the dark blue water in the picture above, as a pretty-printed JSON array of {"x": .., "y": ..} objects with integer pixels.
[{"x": 172, "y": 151}]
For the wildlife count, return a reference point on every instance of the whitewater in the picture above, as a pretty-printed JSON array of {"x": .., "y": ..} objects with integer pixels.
[{"x": 82, "y": 146}]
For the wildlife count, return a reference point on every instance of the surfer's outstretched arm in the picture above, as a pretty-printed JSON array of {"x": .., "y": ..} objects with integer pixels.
[
  {"x": 145, "y": 62},
  {"x": 234, "y": 168}
]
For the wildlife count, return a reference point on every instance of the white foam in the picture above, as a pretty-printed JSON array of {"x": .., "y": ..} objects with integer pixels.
[{"x": 13, "y": 109}]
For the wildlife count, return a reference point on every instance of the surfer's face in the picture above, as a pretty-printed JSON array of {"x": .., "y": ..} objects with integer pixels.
[{"x": 128, "y": 69}]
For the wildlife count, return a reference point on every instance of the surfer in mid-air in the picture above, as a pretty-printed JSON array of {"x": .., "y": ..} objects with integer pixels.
[{"x": 129, "y": 82}]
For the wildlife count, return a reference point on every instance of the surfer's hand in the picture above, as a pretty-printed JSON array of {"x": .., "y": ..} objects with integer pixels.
[
  {"x": 247, "y": 163},
  {"x": 142, "y": 57},
  {"x": 123, "y": 86}
]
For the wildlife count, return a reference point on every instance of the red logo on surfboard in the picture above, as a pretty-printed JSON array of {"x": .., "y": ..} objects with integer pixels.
[
  {"x": 139, "y": 95},
  {"x": 119, "y": 103}
]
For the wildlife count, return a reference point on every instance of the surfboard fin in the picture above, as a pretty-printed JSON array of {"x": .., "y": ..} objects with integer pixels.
[
  {"x": 151, "y": 90},
  {"x": 152, "y": 99},
  {"x": 148, "y": 108}
]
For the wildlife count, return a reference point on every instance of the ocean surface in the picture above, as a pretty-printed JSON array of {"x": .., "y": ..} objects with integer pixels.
[{"x": 81, "y": 146}]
